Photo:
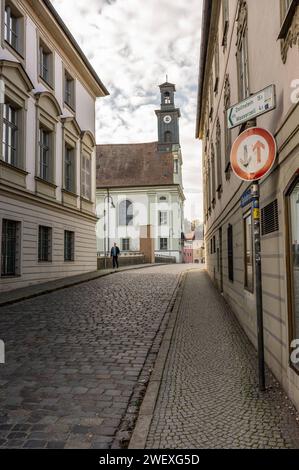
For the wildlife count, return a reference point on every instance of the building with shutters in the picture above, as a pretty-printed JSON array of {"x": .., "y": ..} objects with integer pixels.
[
  {"x": 47, "y": 156},
  {"x": 245, "y": 49},
  {"x": 140, "y": 185}
]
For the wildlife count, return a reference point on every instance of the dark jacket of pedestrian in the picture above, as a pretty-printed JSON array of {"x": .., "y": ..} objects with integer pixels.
[{"x": 115, "y": 251}]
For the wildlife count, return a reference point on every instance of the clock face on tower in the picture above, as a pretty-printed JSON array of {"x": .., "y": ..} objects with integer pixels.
[{"x": 167, "y": 119}]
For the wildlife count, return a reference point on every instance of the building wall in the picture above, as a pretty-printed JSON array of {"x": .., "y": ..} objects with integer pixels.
[
  {"x": 266, "y": 67},
  {"x": 188, "y": 253},
  {"x": 23, "y": 197},
  {"x": 146, "y": 206},
  {"x": 31, "y": 215}
]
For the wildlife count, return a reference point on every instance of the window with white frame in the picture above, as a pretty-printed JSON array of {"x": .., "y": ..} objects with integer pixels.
[
  {"x": 176, "y": 166},
  {"x": 45, "y": 154},
  {"x": 225, "y": 21},
  {"x": 293, "y": 259},
  {"x": 10, "y": 137},
  {"x": 218, "y": 158},
  {"x": 216, "y": 65},
  {"x": 242, "y": 53},
  {"x": 69, "y": 169},
  {"x": 163, "y": 217},
  {"x": 46, "y": 63},
  {"x": 86, "y": 177},
  {"x": 126, "y": 214},
  {"x": 125, "y": 244},
  {"x": 163, "y": 243},
  {"x": 69, "y": 90},
  {"x": 13, "y": 27},
  {"x": 227, "y": 132}
]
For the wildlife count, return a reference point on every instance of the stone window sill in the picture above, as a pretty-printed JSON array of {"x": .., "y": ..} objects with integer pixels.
[
  {"x": 13, "y": 167},
  {"x": 48, "y": 183}
]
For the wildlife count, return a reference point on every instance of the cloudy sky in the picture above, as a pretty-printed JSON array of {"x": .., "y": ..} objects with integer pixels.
[{"x": 133, "y": 44}]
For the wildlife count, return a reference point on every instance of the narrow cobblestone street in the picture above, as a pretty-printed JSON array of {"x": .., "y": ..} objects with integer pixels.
[
  {"x": 73, "y": 358},
  {"x": 209, "y": 394}
]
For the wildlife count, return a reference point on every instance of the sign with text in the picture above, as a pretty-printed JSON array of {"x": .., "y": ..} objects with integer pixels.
[
  {"x": 253, "y": 154},
  {"x": 255, "y": 105},
  {"x": 246, "y": 198}
]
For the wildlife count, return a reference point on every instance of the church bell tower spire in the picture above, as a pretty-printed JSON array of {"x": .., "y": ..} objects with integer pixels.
[{"x": 168, "y": 119}]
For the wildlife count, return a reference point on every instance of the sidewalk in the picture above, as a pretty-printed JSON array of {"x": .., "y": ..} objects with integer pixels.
[
  {"x": 35, "y": 290},
  {"x": 208, "y": 396}
]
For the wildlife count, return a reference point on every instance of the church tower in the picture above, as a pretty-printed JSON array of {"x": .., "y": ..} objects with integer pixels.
[{"x": 168, "y": 119}]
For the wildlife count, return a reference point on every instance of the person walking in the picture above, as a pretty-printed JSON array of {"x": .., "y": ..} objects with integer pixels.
[{"x": 114, "y": 255}]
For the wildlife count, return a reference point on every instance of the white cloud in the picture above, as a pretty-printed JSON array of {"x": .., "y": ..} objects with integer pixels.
[{"x": 132, "y": 45}]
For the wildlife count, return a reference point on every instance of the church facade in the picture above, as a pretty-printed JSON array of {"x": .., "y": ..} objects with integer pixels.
[{"x": 141, "y": 185}]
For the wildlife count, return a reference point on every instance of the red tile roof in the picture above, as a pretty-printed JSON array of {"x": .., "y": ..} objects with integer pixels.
[{"x": 126, "y": 165}]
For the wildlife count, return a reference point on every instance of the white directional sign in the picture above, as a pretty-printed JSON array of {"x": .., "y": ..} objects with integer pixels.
[{"x": 255, "y": 105}]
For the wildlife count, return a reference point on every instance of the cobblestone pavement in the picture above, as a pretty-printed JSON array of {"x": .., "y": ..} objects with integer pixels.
[
  {"x": 209, "y": 396},
  {"x": 73, "y": 358}
]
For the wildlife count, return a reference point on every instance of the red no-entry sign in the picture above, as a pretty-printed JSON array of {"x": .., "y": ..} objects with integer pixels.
[{"x": 253, "y": 154}]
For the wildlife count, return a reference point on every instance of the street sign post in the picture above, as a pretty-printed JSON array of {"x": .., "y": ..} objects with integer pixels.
[
  {"x": 252, "y": 157},
  {"x": 253, "y": 106}
]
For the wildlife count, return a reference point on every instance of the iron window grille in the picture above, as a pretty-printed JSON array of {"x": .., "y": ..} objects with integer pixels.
[
  {"x": 69, "y": 239},
  {"x": 44, "y": 243},
  {"x": 9, "y": 248}
]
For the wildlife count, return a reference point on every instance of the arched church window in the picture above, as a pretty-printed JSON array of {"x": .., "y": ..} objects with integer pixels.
[
  {"x": 168, "y": 136},
  {"x": 125, "y": 212},
  {"x": 167, "y": 97}
]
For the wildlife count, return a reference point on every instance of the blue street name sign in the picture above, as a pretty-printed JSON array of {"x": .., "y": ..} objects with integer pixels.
[{"x": 246, "y": 198}]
